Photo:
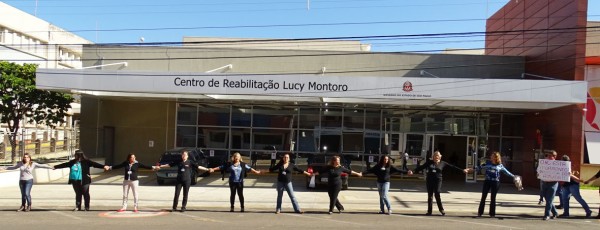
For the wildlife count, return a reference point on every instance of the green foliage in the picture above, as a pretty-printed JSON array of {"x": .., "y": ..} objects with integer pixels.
[{"x": 20, "y": 100}]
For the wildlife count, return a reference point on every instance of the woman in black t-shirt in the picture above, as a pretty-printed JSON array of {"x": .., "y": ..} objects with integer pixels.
[
  {"x": 284, "y": 181},
  {"x": 334, "y": 181}
]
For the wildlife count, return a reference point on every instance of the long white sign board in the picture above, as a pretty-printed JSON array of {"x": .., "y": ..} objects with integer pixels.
[{"x": 464, "y": 89}]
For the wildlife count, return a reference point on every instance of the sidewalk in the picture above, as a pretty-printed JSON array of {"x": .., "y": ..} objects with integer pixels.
[{"x": 408, "y": 196}]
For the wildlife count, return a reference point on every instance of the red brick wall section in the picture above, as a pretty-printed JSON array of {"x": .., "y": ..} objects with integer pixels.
[{"x": 551, "y": 35}]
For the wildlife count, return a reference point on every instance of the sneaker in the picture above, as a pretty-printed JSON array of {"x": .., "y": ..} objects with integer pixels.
[
  {"x": 135, "y": 210},
  {"x": 588, "y": 214},
  {"x": 300, "y": 212},
  {"x": 563, "y": 216},
  {"x": 443, "y": 213},
  {"x": 389, "y": 212},
  {"x": 381, "y": 212},
  {"x": 554, "y": 216},
  {"x": 242, "y": 210},
  {"x": 182, "y": 209},
  {"x": 546, "y": 218},
  {"x": 428, "y": 214},
  {"x": 76, "y": 209},
  {"x": 28, "y": 209},
  {"x": 540, "y": 202},
  {"x": 231, "y": 209},
  {"x": 22, "y": 208},
  {"x": 87, "y": 209},
  {"x": 121, "y": 210},
  {"x": 558, "y": 207},
  {"x": 330, "y": 212},
  {"x": 277, "y": 211}
]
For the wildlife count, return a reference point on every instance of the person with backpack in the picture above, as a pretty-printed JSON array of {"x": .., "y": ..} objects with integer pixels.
[
  {"x": 80, "y": 177},
  {"x": 237, "y": 170}
]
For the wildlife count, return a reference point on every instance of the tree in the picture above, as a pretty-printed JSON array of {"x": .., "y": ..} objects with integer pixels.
[{"x": 21, "y": 101}]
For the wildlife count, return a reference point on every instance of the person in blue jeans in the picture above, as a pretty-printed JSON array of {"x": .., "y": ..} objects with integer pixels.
[
  {"x": 569, "y": 189},
  {"x": 26, "y": 167},
  {"x": 549, "y": 190},
  {"x": 284, "y": 181},
  {"x": 383, "y": 171}
]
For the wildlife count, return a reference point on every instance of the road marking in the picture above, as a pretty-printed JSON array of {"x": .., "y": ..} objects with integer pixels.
[
  {"x": 67, "y": 215},
  {"x": 339, "y": 221},
  {"x": 459, "y": 221},
  {"x": 130, "y": 214},
  {"x": 577, "y": 222},
  {"x": 200, "y": 218}
]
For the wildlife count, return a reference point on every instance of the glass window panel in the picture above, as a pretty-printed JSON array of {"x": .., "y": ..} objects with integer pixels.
[
  {"x": 214, "y": 137},
  {"x": 241, "y": 116},
  {"x": 353, "y": 142},
  {"x": 465, "y": 125},
  {"x": 373, "y": 120},
  {"x": 273, "y": 117},
  {"x": 354, "y": 119},
  {"x": 186, "y": 114},
  {"x": 309, "y": 118},
  {"x": 331, "y": 118},
  {"x": 493, "y": 124},
  {"x": 414, "y": 144},
  {"x": 512, "y": 125},
  {"x": 185, "y": 136},
  {"x": 373, "y": 141},
  {"x": 271, "y": 138},
  {"x": 417, "y": 122},
  {"x": 306, "y": 141},
  {"x": 213, "y": 115},
  {"x": 438, "y": 122}
]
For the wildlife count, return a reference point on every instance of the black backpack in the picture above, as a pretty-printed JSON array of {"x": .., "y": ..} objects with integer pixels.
[{"x": 228, "y": 168}]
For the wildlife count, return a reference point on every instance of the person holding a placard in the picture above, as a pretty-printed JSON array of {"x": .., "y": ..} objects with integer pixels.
[
  {"x": 284, "y": 181},
  {"x": 334, "y": 181},
  {"x": 549, "y": 184},
  {"x": 572, "y": 188},
  {"x": 383, "y": 171},
  {"x": 493, "y": 168},
  {"x": 590, "y": 180},
  {"x": 433, "y": 180}
]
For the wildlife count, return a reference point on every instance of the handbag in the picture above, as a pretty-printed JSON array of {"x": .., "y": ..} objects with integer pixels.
[{"x": 311, "y": 183}]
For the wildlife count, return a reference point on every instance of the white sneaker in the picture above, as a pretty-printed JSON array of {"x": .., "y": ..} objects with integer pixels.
[{"x": 389, "y": 212}]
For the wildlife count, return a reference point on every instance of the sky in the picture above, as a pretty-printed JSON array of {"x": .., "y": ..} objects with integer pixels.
[{"x": 111, "y": 21}]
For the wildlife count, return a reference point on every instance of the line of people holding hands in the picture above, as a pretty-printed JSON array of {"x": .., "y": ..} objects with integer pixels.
[{"x": 80, "y": 179}]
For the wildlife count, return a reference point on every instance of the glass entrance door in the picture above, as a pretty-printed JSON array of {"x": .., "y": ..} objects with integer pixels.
[{"x": 471, "y": 158}]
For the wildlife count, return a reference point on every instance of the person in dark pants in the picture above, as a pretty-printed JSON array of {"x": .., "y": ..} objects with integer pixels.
[
  {"x": 184, "y": 178},
  {"x": 237, "y": 171},
  {"x": 80, "y": 178},
  {"x": 492, "y": 181},
  {"x": 434, "y": 180},
  {"x": 383, "y": 171},
  {"x": 334, "y": 183}
]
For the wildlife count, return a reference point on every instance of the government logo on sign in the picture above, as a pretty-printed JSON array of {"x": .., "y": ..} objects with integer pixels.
[{"x": 407, "y": 86}]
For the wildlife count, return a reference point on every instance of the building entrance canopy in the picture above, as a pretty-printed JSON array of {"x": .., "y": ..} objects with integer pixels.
[{"x": 442, "y": 92}]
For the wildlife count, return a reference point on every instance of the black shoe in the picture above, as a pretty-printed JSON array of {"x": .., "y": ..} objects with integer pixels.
[
  {"x": 87, "y": 209},
  {"x": 558, "y": 207},
  {"x": 563, "y": 216},
  {"x": 182, "y": 209},
  {"x": 492, "y": 216},
  {"x": 428, "y": 214},
  {"x": 231, "y": 209},
  {"x": 242, "y": 210},
  {"x": 443, "y": 213}
]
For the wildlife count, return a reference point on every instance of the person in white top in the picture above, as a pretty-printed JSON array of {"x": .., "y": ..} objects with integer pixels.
[{"x": 26, "y": 166}]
